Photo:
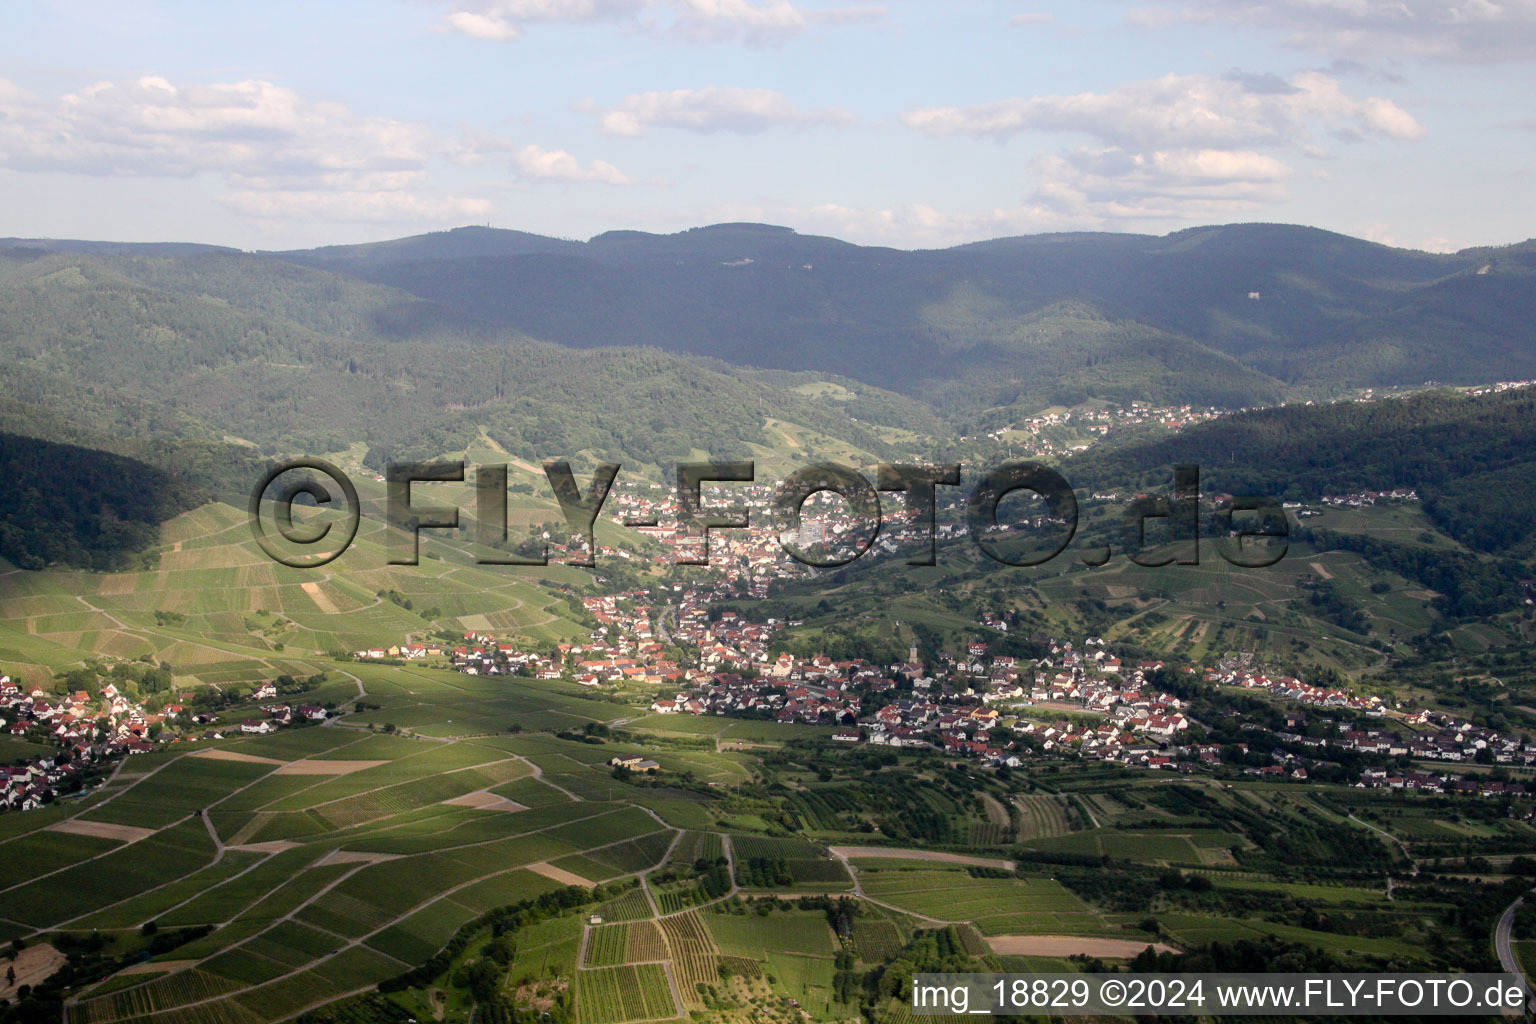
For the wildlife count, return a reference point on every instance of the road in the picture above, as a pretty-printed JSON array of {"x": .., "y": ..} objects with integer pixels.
[{"x": 1503, "y": 943}]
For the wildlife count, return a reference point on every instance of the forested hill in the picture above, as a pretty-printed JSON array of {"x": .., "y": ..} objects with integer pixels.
[
  {"x": 1472, "y": 459},
  {"x": 1230, "y": 314},
  {"x": 83, "y": 507},
  {"x": 1239, "y": 315},
  {"x": 145, "y": 354}
]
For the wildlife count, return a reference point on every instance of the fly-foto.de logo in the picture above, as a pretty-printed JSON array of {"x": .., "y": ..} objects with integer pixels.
[{"x": 1178, "y": 517}]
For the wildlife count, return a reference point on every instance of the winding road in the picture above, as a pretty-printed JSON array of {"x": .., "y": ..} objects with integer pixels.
[{"x": 1503, "y": 944}]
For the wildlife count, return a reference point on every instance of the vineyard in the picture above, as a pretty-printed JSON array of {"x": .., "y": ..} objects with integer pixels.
[
  {"x": 1041, "y": 817},
  {"x": 876, "y": 939},
  {"x": 768, "y": 873},
  {"x": 646, "y": 943},
  {"x": 673, "y": 901},
  {"x": 611, "y": 995},
  {"x": 615, "y": 944},
  {"x": 160, "y": 994},
  {"x": 680, "y": 883},
  {"x": 789, "y": 930},
  {"x": 635, "y": 854},
  {"x": 632, "y": 906},
  {"x": 995, "y": 905},
  {"x": 607, "y": 946},
  {"x": 763, "y": 848},
  {"x": 689, "y": 848},
  {"x": 988, "y": 834},
  {"x": 765, "y": 863},
  {"x": 694, "y": 955}
]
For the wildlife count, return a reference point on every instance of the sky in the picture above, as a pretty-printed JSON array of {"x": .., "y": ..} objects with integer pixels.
[{"x": 910, "y": 123}]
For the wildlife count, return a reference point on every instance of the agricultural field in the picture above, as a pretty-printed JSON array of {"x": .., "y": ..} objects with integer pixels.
[
  {"x": 614, "y": 995},
  {"x": 285, "y": 872},
  {"x": 996, "y": 906},
  {"x": 1040, "y": 817},
  {"x": 240, "y": 617},
  {"x": 312, "y": 864},
  {"x": 443, "y": 823}
]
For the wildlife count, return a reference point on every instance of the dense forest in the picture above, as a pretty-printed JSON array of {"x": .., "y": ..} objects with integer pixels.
[
  {"x": 82, "y": 507},
  {"x": 133, "y": 347},
  {"x": 1472, "y": 460},
  {"x": 1233, "y": 314}
]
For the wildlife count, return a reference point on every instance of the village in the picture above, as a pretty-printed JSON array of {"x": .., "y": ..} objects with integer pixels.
[
  {"x": 1077, "y": 703},
  {"x": 91, "y": 734},
  {"x": 1057, "y": 433},
  {"x": 86, "y": 734}
]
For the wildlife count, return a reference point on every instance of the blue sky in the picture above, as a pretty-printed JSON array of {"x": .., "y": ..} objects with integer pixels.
[{"x": 903, "y": 122}]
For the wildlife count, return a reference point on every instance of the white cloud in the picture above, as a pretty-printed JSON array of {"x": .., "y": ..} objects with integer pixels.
[
  {"x": 389, "y": 206},
  {"x": 765, "y": 21},
  {"x": 1083, "y": 190},
  {"x": 152, "y": 127},
  {"x": 1032, "y": 18},
  {"x": 1097, "y": 187},
  {"x": 484, "y": 26},
  {"x": 713, "y": 109},
  {"x": 919, "y": 225},
  {"x": 755, "y": 22},
  {"x": 557, "y": 165},
  {"x": 1179, "y": 147},
  {"x": 1454, "y": 30},
  {"x": 1178, "y": 110},
  {"x": 503, "y": 20},
  {"x": 281, "y": 154}
]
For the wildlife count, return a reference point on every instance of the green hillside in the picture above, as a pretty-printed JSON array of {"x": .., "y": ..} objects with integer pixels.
[{"x": 1288, "y": 304}]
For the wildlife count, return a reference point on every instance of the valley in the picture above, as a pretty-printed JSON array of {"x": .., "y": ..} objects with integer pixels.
[{"x": 755, "y": 790}]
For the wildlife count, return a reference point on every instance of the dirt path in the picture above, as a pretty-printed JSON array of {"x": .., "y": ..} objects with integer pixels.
[
  {"x": 1071, "y": 945},
  {"x": 485, "y": 801},
  {"x": 318, "y": 767},
  {"x": 271, "y": 846},
  {"x": 1318, "y": 568},
  {"x": 101, "y": 830},
  {"x": 560, "y": 875},
  {"x": 321, "y": 599},
  {"x": 157, "y": 967},
  {"x": 893, "y": 853},
  {"x": 32, "y": 965},
  {"x": 355, "y": 857},
  {"x": 233, "y": 755}
]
